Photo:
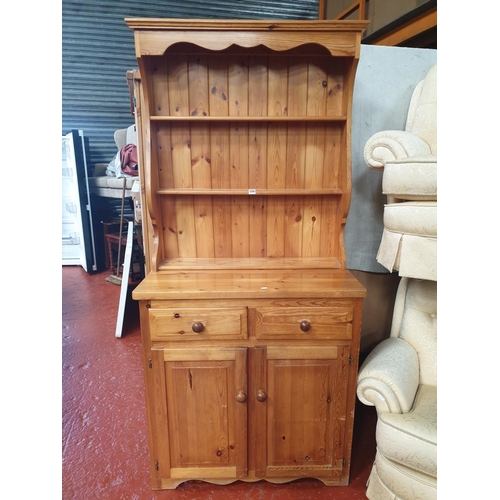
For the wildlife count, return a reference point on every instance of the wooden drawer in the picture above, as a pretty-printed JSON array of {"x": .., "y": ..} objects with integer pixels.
[
  {"x": 300, "y": 323},
  {"x": 198, "y": 323}
]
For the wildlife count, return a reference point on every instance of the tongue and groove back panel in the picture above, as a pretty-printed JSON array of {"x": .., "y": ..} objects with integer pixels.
[{"x": 250, "y": 152}]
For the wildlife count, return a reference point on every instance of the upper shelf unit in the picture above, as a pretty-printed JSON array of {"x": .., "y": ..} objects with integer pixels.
[{"x": 246, "y": 140}]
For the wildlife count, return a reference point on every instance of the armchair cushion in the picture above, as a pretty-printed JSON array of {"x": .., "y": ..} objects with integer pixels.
[
  {"x": 417, "y": 218},
  {"x": 409, "y": 239},
  {"x": 391, "y": 481},
  {"x": 411, "y": 438},
  {"x": 412, "y": 178},
  {"x": 111, "y": 187}
]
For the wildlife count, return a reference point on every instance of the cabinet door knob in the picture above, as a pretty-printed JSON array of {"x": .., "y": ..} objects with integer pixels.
[
  {"x": 198, "y": 327},
  {"x": 241, "y": 397},
  {"x": 305, "y": 326},
  {"x": 261, "y": 395}
]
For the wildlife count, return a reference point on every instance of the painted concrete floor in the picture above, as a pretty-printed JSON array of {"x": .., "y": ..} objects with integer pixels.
[{"x": 105, "y": 444}]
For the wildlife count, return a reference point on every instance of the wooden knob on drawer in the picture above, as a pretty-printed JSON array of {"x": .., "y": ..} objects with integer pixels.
[
  {"x": 305, "y": 326},
  {"x": 198, "y": 327},
  {"x": 241, "y": 397},
  {"x": 261, "y": 395}
]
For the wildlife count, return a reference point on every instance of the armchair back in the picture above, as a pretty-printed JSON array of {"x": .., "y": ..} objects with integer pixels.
[
  {"x": 125, "y": 136},
  {"x": 422, "y": 112},
  {"x": 415, "y": 321}
]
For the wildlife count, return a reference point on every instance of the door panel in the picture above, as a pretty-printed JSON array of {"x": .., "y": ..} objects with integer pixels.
[
  {"x": 304, "y": 415},
  {"x": 299, "y": 424},
  {"x": 206, "y": 411}
]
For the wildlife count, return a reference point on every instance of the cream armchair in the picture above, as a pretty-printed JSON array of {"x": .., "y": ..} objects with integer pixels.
[
  {"x": 409, "y": 161},
  {"x": 399, "y": 378}
]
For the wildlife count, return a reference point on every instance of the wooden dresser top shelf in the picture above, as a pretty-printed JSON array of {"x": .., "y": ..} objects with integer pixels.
[
  {"x": 282, "y": 119},
  {"x": 314, "y": 283},
  {"x": 249, "y": 192}
]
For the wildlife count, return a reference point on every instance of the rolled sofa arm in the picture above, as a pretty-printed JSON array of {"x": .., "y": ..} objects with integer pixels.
[
  {"x": 389, "y": 377},
  {"x": 393, "y": 145}
]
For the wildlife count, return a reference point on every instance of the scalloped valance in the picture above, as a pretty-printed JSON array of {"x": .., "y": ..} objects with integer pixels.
[{"x": 154, "y": 36}]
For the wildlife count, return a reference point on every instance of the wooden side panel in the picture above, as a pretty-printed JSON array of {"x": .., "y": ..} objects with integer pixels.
[
  {"x": 158, "y": 417},
  {"x": 153, "y": 225},
  {"x": 340, "y": 404}
]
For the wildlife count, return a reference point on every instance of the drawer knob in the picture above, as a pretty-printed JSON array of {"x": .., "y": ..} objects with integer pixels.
[
  {"x": 241, "y": 397},
  {"x": 305, "y": 326},
  {"x": 261, "y": 395},
  {"x": 198, "y": 327}
]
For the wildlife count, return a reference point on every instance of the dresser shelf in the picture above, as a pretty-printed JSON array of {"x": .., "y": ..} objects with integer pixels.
[
  {"x": 249, "y": 192},
  {"x": 249, "y": 119},
  {"x": 263, "y": 263}
]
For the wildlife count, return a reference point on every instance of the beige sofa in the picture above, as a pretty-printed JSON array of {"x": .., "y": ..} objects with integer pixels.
[
  {"x": 101, "y": 184},
  {"x": 399, "y": 378},
  {"x": 408, "y": 159}
]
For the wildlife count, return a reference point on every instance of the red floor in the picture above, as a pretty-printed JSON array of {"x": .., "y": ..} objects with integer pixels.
[{"x": 104, "y": 430}]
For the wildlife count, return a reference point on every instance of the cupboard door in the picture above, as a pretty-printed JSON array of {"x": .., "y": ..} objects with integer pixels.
[
  {"x": 298, "y": 397},
  {"x": 204, "y": 422}
]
